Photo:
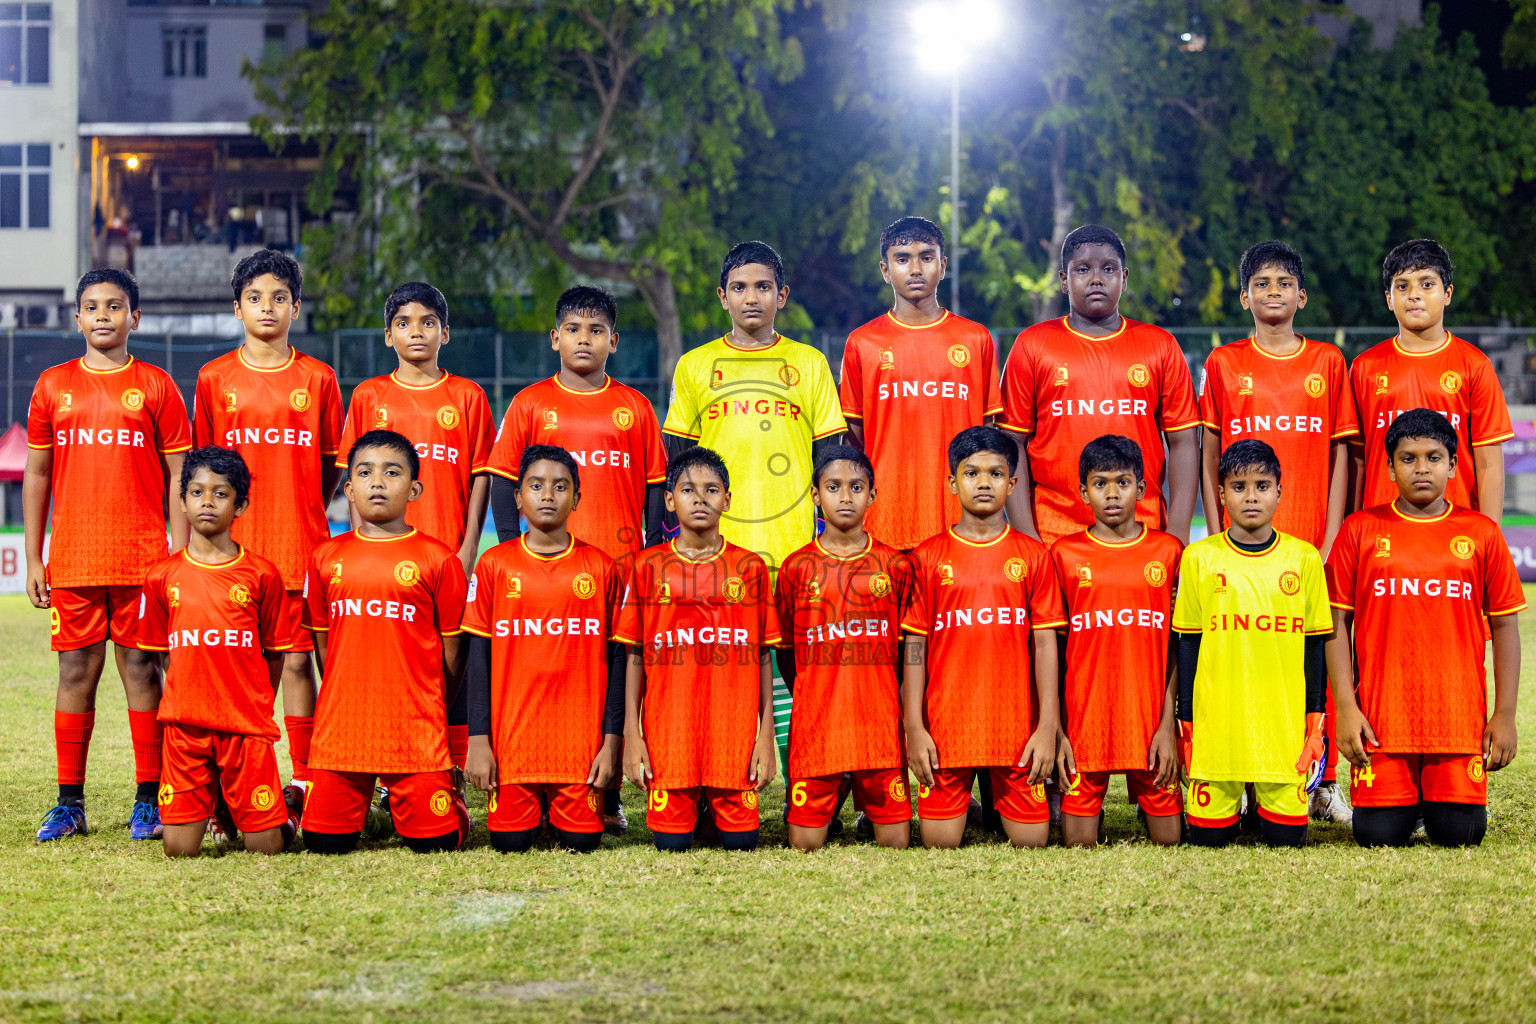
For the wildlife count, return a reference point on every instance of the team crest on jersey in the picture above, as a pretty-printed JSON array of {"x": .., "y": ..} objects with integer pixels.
[
  {"x": 716, "y": 378},
  {"x": 262, "y": 798},
  {"x": 733, "y": 589},
  {"x": 133, "y": 399},
  {"x": 788, "y": 375},
  {"x": 441, "y": 803},
  {"x": 663, "y": 592},
  {"x": 406, "y": 573},
  {"x": 1138, "y": 375},
  {"x": 229, "y": 400},
  {"x": 1315, "y": 385},
  {"x": 1245, "y": 383},
  {"x": 592, "y": 799},
  {"x": 959, "y": 356},
  {"x": 1038, "y": 790},
  {"x": 1475, "y": 770},
  {"x": 749, "y": 799},
  {"x": 299, "y": 399},
  {"x": 515, "y": 586},
  {"x": 623, "y": 418},
  {"x": 1221, "y": 583},
  {"x": 1155, "y": 573},
  {"x": 65, "y": 401},
  {"x": 879, "y": 585},
  {"x": 1381, "y": 383},
  {"x": 381, "y": 418},
  {"x": 335, "y": 573},
  {"x": 1450, "y": 382},
  {"x": 946, "y": 574},
  {"x": 164, "y": 796},
  {"x": 1084, "y": 574},
  {"x": 1383, "y": 547},
  {"x": 551, "y": 419},
  {"x": 1014, "y": 569},
  {"x": 813, "y": 590},
  {"x": 897, "y": 788},
  {"x": 1060, "y": 379},
  {"x": 1290, "y": 583},
  {"x": 240, "y": 595},
  {"x": 887, "y": 359},
  {"x": 584, "y": 585},
  {"x": 1462, "y": 546},
  {"x": 448, "y": 416}
]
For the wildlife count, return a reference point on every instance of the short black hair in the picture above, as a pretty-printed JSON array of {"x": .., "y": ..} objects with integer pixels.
[
  {"x": 843, "y": 453},
  {"x": 551, "y": 453},
  {"x": 698, "y": 455},
  {"x": 1110, "y": 452},
  {"x": 419, "y": 292},
  {"x": 745, "y": 253},
  {"x": 268, "y": 261},
  {"x": 908, "y": 230},
  {"x": 109, "y": 275},
  {"x": 586, "y": 299},
  {"x": 1249, "y": 453},
  {"x": 221, "y": 462},
  {"x": 1271, "y": 253},
  {"x": 1418, "y": 254},
  {"x": 1090, "y": 234},
  {"x": 390, "y": 440},
  {"x": 974, "y": 440},
  {"x": 1421, "y": 423}
]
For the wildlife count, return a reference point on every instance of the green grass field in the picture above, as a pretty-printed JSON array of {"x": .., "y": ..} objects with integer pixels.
[{"x": 102, "y": 929}]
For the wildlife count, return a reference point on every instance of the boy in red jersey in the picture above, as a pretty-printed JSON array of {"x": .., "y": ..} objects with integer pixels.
[
  {"x": 281, "y": 410},
  {"x": 106, "y": 434},
  {"x": 1293, "y": 394},
  {"x": 1118, "y": 579},
  {"x": 981, "y": 627},
  {"x": 698, "y": 690},
  {"x": 912, "y": 379},
  {"x": 221, "y": 614},
  {"x": 1070, "y": 380},
  {"x": 840, "y": 600},
  {"x": 546, "y": 685},
  {"x": 385, "y": 602},
  {"x": 1426, "y": 366},
  {"x": 449, "y": 421},
  {"x": 1414, "y": 580}
]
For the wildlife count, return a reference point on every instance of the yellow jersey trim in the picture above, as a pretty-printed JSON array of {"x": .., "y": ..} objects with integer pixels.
[
  {"x": 869, "y": 545},
  {"x": 394, "y": 376},
  {"x": 212, "y": 565},
  {"x": 1124, "y": 323},
  {"x": 981, "y": 544},
  {"x": 385, "y": 540},
  {"x": 522, "y": 541},
  {"x": 607, "y": 383},
  {"x": 106, "y": 373},
  {"x": 1449, "y": 508},
  {"x": 293, "y": 356},
  {"x": 943, "y": 317}
]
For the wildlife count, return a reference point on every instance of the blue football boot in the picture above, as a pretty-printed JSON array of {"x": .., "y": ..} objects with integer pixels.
[
  {"x": 145, "y": 823},
  {"x": 63, "y": 820}
]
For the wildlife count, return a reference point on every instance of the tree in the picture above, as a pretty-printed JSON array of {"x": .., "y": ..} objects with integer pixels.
[{"x": 591, "y": 135}]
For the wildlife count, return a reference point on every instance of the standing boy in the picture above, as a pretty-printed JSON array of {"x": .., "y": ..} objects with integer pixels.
[
  {"x": 384, "y": 602},
  {"x": 546, "y": 685},
  {"x": 106, "y": 435},
  {"x": 912, "y": 379},
  {"x": 1118, "y": 578},
  {"x": 763, "y": 402},
  {"x": 1414, "y": 579},
  {"x": 221, "y": 615},
  {"x": 1426, "y": 366},
  {"x": 981, "y": 626},
  {"x": 1252, "y": 615},
  {"x": 281, "y": 410},
  {"x": 698, "y": 694},
  {"x": 1293, "y": 394},
  {"x": 840, "y": 600},
  {"x": 1094, "y": 372}
]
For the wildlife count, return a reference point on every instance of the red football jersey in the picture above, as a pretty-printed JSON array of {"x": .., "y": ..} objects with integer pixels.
[
  {"x": 549, "y": 620},
  {"x": 1298, "y": 405},
  {"x": 385, "y": 604},
  {"x": 1119, "y": 602},
  {"x": 701, "y": 625},
  {"x": 449, "y": 422},
  {"x": 215, "y": 620},
  {"x": 1456, "y": 380},
  {"x": 286, "y": 423},
  {"x": 914, "y": 389},
  {"x": 978, "y": 605},
  {"x": 107, "y": 430},
  {"x": 614, "y": 437},
  {"x": 1419, "y": 589},
  {"x": 842, "y": 616},
  {"x": 1064, "y": 389}
]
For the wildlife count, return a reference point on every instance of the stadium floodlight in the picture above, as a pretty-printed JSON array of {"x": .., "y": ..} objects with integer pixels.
[{"x": 948, "y": 36}]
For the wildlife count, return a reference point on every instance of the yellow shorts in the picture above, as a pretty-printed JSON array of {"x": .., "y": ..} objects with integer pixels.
[{"x": 1216, "y": 804}]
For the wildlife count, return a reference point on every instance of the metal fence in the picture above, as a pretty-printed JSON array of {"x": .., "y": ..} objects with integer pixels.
[{"x": 504, "y": 362}]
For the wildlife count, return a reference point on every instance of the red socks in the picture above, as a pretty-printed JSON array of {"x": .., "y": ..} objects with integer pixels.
[
  {"x": 72, "y": 742},
  {"x": 147, "y": 733},
  {"x": 299, "y": 730},
  {"x": 458, "y": 744}
]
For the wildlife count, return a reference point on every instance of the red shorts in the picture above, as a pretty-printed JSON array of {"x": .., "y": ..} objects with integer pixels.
[
  {"x": 82, "y": 616},
  {"x": 303, "y": 639},
  {"x": 196, "y": 760},
  {"x": 1015, "y": 798},
  {"x": 1401, "y": 780},
  {"x": 1085, "y": 797},
  {"x": 518, "y": 807},
  {"x": 676, "y": 811},
  {"x": 880, "y": 793},
  {"x": 424, "y": 805}
]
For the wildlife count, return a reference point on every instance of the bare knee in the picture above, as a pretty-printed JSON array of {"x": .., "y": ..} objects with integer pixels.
[
  {"x": 1078, "y": 830},
  {"x": 268, "y": 841},
  {"x": 807, "y": 840},
  {"x": 895, "y": 836},
  {"x": 80, "y": 672},
  {"x": 184, "y": 840},
  {"x": 1027, "y": 835}
]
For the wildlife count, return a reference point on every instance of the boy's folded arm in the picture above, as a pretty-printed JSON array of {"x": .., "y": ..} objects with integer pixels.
[
  {"x": 504, "y": 508},
  {"x": 613, "y": 702}
]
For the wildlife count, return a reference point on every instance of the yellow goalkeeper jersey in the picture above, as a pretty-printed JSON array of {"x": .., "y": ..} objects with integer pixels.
[
  {"x": 1253, "y": 612},
  {"x": 759, "y": 409}
]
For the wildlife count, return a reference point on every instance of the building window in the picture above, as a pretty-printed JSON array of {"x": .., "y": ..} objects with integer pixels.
[
  {"x": 185, "y": 48},
  {"x": 24, "y": 31},
  {"x": 274, "y": 44},
  {"x": 24, "y": 185}
]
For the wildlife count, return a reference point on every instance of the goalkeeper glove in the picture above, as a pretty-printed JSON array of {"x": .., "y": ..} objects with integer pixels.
[{"x": 1314, "y": 752}]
